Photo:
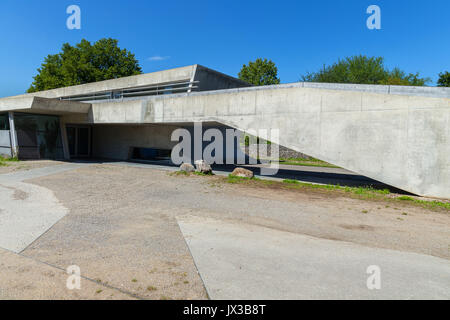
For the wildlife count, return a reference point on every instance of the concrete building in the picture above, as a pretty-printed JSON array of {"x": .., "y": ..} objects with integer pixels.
[{"x": 393, "y": 134}]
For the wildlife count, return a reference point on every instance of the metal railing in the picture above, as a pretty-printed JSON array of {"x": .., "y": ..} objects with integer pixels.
[{"x": 160, "y": 89}]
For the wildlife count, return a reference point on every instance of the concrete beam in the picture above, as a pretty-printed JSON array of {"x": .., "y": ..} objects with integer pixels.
[{"x": 13, "y": 136}]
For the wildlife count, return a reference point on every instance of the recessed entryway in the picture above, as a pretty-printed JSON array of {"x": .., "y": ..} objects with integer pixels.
[{"x": 79, "y": 140}]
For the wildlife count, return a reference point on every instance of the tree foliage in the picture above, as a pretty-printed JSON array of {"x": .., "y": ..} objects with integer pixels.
[
  {"x": 260, "y": 72},
  {"x": 85, "y": 63},
  {"x": 364, "y": 70},
  {"x": 444, "y": 79}
]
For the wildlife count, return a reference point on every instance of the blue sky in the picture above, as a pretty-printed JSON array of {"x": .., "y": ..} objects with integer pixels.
[{"x": 299, "y": 36}]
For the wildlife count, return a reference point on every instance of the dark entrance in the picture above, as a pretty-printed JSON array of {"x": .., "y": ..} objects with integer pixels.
[
  {"x": 38, "y": 136},
  {"x": 79, "y": 139}
]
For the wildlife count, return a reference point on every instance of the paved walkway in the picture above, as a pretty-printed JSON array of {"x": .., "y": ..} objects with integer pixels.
[
  {"x": 27, "y": 210},
  {"x": 240, "y": 261}
]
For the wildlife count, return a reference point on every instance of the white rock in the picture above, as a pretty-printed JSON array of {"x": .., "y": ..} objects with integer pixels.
[{"x": 203, "y": 167}]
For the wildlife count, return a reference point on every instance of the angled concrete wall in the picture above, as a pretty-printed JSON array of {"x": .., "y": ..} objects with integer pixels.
[{"x": 401, "y": 140}]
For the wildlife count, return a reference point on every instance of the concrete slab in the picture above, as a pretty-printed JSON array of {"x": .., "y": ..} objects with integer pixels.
[
  {"x": 26, "y": 212},
  {"x": 39, "y": 172},
  {"x": 239, "y": 261}
]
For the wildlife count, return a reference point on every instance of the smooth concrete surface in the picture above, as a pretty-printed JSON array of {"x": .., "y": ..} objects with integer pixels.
[
  {"x": 5, "y": 143},
  {"x": 27, "y": 211},
  {"x": 39, "y": 105},
  {"x": 5, "y": 140},
  {"x": 248, "y": 262},
  {"x": 39, "y": 172}
]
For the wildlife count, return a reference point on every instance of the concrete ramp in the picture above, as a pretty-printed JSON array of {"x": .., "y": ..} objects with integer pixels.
[
  {"x": 240, "y": 262},
  {"x": 400, "y": 140}
]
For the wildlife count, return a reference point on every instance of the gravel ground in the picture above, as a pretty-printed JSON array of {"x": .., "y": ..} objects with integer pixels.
[{"x": 121, "y": 229}]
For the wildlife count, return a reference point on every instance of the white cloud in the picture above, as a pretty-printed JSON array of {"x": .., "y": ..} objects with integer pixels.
[{"x": 158, "y": 58}]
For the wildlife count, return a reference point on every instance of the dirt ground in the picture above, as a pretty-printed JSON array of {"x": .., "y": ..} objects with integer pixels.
[{"x": 122, "y": 231}]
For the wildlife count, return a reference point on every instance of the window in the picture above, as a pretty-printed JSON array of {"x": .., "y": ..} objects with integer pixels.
[{"x": 38, "y": 136}]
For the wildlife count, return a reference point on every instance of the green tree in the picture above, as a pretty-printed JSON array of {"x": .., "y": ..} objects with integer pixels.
[
  {"x": 444, "y": 79},
  {"x": 85, "y": 63},
  {"x": 260, "y": 72},
  {"x": 364, "y": 70}
]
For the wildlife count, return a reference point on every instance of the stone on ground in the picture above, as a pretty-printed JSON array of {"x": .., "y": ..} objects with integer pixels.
[
  {"x": 203, "y": 167},
  {"x": 187, "y": 167},
  {"x": 243, "y": 173}
]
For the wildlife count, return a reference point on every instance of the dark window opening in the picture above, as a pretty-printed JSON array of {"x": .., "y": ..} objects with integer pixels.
[
  {"x": 38, "y": 136},
  {"x": 151, "y": 154},
  {"x": 4, "y": 121}
]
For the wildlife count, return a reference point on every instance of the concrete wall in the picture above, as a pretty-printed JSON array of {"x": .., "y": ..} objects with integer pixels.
[
  {"x": 5, "y": 143},
  {"x": 400, "y": 140},
  {"x": 115, "y": 141}
]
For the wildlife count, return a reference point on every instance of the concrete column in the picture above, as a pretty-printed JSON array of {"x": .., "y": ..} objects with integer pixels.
[
  {"x": 64, "y": 140},
  {"x": 13, "y": 135}
]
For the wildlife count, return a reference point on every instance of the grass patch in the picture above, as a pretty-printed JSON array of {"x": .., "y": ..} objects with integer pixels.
[
  {"x": 426, "y": 204},
  {"x": 367, "y": 192},
  {"x": 306, "y": 162},
  {"x": 235, "y": 179},
  {"x": 4, "y": 161},
  {"x": 202, "y": 174},
  {"x": 363, "y": 193}
]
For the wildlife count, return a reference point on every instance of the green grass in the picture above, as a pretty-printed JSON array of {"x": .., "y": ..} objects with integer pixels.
[
  {"x": 234, "y": 179},
  {"x": 426, "y": 204},
  {"x": 365, "y": 193},
  {"x": 306, "y": 162},
  {"x": 4, "y": 161},
  {"x": 184, "y": 173}
]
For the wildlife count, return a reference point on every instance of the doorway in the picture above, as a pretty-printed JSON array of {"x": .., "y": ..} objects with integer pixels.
[{"x": 79, "y": 139}]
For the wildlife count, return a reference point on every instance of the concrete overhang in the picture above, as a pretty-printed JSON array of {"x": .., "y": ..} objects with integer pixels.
[
  {"x": 30, "y": 104},
  {"x": 147, "y": 79}
]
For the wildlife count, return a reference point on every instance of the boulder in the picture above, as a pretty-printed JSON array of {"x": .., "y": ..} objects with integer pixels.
[
  {"x": 187, "y": 167},
  {"x": 241, "y": 172},
  {"x": 203, "y": 167}
]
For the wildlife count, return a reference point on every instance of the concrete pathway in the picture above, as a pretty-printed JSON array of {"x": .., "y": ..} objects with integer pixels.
[
  {"x": 239, "y": 261},
  {"x": 39, "y": 172},
  {"x": 26, "y": 210}
]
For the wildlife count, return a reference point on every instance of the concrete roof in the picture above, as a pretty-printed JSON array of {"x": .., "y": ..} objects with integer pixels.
[
  {"x": 43, "y": 105},
  {"x": 147, "y": 79}
]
